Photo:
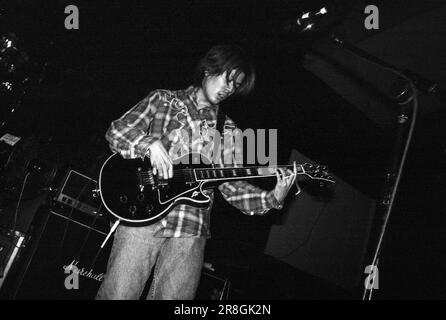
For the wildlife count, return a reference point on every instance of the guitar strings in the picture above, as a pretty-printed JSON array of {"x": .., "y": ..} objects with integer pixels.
[{"x": 236, "y": 168}]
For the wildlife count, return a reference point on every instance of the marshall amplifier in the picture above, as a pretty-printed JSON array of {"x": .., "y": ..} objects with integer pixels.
[
  {"x": 63, "y": 259},
  {"x": 79, "y": 192}
]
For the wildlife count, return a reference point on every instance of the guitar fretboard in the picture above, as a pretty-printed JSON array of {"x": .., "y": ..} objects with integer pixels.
[{"x": 232, "y": 173}]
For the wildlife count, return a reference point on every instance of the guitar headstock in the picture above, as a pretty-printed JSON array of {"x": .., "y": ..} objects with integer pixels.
[{"x": 317, "y": 172}]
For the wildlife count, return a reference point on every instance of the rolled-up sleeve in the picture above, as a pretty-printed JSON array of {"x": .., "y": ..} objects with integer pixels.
[{"x": 249, "y": 199}]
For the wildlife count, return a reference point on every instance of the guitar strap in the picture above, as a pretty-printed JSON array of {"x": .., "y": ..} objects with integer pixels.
[{"x": 221, "y": 117}]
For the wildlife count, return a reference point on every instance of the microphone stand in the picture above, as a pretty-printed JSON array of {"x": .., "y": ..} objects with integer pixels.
[
  {"x": 423, "y": 85},
  {"x": 393, "y": 176}
]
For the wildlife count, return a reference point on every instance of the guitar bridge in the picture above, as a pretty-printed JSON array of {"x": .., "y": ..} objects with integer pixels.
[{"x": 145, "y": 178}]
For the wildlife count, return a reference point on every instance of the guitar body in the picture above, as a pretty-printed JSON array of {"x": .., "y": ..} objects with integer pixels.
[{"x": 134, "y": 195}]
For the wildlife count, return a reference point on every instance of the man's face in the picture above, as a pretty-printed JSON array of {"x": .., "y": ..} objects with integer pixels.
[{"x": 220, "y": 87}]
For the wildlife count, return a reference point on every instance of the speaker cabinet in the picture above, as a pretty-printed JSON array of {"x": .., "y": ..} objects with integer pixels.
[
  {"x": 324, "y": 231},
  {"x": 63, "y": 259}
]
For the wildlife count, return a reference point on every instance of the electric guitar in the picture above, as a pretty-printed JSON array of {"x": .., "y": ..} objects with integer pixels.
[{"x": 133, "y": 194}]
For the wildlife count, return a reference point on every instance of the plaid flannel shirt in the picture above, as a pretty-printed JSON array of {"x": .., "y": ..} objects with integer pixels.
[{"x": 173, "y": 118}]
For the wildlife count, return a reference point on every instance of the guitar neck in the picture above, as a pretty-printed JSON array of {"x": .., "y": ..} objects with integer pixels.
[{"x": 237, "y": 173}]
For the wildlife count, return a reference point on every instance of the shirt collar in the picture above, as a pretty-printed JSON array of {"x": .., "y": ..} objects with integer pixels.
[{"x": 191, "y": 91}]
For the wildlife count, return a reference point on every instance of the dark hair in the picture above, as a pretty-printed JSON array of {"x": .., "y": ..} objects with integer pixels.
[{"x": 227, "y": 58}]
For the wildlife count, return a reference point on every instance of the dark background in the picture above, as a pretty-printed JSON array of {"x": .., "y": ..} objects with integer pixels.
[{"x": 83, "y": 79}]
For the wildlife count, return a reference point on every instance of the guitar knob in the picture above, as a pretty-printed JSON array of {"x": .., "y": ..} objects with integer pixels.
[
  {"x": 140, "y": 197},
  {"x": 123, "y": 199},
  {"x": 149, "y": 209},
  {"x": 132, "y": 210}
]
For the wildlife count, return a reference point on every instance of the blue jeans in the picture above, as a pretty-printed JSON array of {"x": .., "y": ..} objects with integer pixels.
[{"x": 178, "y": 263}]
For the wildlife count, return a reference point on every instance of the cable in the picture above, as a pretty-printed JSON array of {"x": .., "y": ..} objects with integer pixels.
[{"x": 18, "y": 202}]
